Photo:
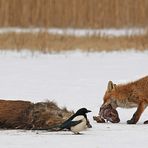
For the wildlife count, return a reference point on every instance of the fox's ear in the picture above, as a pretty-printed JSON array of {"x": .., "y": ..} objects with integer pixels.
[{"x": 111, "y": 86}]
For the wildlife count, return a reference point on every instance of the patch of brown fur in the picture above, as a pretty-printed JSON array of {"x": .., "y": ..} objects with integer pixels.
[
  {"x": 27, "y": 115},
  {"x": 135, "y": 91}
]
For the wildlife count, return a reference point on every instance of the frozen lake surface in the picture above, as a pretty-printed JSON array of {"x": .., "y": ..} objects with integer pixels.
[{"x": 74, "y": 80}]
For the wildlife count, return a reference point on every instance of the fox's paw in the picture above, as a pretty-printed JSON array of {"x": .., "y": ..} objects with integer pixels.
[{"x": 131, "y": 121}]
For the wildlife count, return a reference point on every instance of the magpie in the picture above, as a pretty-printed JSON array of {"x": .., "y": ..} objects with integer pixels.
[{"x": 77, "y": 122}]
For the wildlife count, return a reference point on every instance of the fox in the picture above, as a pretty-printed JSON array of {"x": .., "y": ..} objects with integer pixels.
[{"x": 129, "y": 95}]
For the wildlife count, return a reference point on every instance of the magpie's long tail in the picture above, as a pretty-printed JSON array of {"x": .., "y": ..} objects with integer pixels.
[{"x": 50, "y": 128}]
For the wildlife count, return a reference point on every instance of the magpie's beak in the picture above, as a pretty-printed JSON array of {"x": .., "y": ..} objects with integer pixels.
[{"x": 88, "y": 111}]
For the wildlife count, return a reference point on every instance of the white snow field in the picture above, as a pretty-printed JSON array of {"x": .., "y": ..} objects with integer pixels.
[{"x": 74, "y": 80}]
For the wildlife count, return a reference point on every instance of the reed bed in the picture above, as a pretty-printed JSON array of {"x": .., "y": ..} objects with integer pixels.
[
  {"x": 74, "y": 13},
  {"x": 46, "y": 42}
]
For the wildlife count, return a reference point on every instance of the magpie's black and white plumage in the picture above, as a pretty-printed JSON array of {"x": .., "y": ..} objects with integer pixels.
[{"x": 77, "y": 122}]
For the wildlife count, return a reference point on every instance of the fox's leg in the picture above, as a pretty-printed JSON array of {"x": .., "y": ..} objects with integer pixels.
[
  {"x": 146, "y": 122},
  {"x": 137, "y": 114}
]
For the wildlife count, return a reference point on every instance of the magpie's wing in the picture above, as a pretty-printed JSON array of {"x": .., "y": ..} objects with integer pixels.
[{"x": 69, "y": 124}]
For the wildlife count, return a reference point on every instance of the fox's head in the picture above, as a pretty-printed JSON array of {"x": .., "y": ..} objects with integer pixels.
[
  {"x": 110, "y": 95},
  {"x": 108, "y": 108}
]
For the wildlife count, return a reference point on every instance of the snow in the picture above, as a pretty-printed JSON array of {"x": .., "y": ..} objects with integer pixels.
[
  {"x": 78, "y": 32},
  {"x": 74, "y": 80}
]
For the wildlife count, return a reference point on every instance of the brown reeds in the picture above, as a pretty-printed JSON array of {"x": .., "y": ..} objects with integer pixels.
[
  {"x": 74, "y": 13},
  {"x": 45, "y": 42}
]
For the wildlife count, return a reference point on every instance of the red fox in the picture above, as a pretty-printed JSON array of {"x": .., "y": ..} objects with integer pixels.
[{"x": 133, "y": 94}]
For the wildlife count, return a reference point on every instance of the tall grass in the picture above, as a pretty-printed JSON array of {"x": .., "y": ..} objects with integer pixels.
[
  {"x": 45, "y": 42},
  {"x": 74, "y": 13}
]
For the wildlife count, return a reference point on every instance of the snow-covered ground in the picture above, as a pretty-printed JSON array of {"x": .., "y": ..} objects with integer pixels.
[
  {"x": 78, "y": 32},
  {"x": 74, "y": 80}
]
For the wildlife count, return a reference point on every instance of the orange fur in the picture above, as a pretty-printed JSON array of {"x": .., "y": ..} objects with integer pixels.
[{"x": 133, "y": 94}]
